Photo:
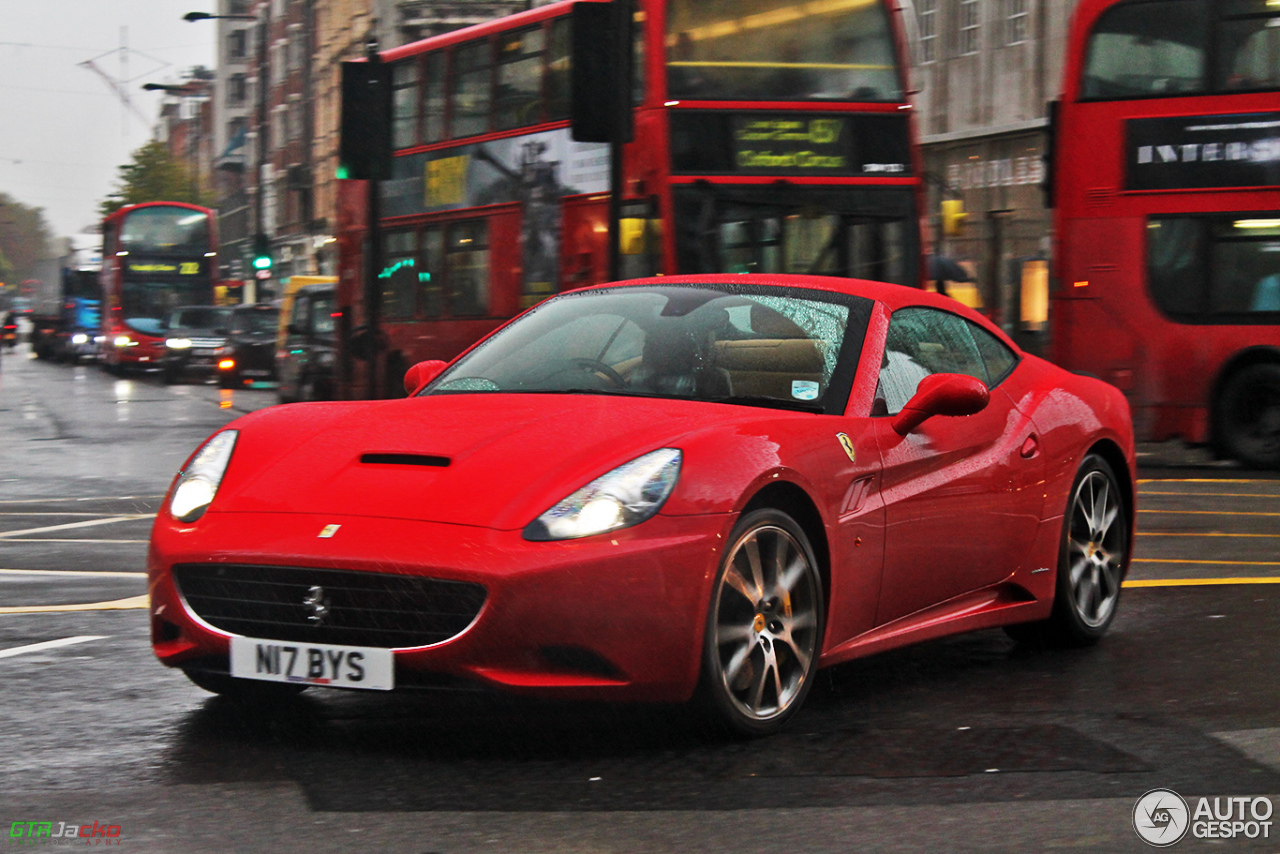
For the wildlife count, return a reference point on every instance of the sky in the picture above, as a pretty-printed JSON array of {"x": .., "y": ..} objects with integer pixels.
[{"x": 64, "y": 132}]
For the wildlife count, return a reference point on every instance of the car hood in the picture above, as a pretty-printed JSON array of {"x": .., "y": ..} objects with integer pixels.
[{"x": 490, "y": 460}]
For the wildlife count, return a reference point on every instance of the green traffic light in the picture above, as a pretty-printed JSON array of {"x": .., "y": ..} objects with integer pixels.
[{"x": 261, "y": 263}]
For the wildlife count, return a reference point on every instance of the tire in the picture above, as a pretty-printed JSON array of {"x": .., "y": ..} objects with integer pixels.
[
  {"x": 1092, "y": 557},
  {"x": 243, "y": 689},
  {"x": 1248, "y": 417},
  {"x": 764, "y": 627}
]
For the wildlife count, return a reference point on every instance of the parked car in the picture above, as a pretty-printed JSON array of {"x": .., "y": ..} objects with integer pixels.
[
  {"x": 693, "y": 489},
  {"x": 194, "y": 338},
  {"x": 249, "y": 354},
  {"x": 305, "y": 359}
]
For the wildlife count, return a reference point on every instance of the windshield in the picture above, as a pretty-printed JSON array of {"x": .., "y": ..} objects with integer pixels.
[
  {"x": 780, "y": 50},
  {"x": 780, "y": 347},
  {"x": 203, "y": 317},
  {"x": 165, "y": 230},
  {"x": 256, "y": 320}
]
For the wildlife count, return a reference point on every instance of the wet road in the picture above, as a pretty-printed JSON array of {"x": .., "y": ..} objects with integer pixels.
[{"x": 966, "y": 744}]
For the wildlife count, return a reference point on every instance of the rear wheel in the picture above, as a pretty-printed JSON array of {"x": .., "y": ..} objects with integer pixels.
[
  {"x": 1249, "y": 417},
  {"x": 764, "y": 626}
]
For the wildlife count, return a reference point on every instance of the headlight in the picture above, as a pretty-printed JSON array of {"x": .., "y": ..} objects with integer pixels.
[
  {"x": 198, "y": 482},
  {"x": 624, "y": 497},
  {"x": 122, "y": 341},
  {"x": 79, "y": 338},
  {"x": 177, "y": 343}
]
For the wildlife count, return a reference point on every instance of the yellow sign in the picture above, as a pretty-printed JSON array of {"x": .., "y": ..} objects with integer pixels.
[
  {"x": 190, "y": 268},
  {"x": 153, "y": 268},
  {"x": 785, "y": 144},
  {"x": 446, "y": 181}
]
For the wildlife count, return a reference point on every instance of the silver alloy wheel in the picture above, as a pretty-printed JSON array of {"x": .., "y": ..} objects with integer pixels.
[
  {"x": 1096, "y": 545},
  {"x": 765, "y": 623}
]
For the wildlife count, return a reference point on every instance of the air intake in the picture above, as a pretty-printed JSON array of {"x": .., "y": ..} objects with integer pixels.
[{"x": 404, "y": 460}]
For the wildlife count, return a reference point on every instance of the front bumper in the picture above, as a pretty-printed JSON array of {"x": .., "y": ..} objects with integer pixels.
[{"x": 614, "y": 617}]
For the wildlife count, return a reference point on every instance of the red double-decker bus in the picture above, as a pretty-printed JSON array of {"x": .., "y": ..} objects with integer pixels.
[
  {"x": 1167, "y": 181},
  {"x": 156, "y": 257},
  {"x": 769, "y": 136}
]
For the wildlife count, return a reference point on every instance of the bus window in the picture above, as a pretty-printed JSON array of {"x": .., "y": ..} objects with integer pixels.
[
  {"x": 1147, "y": 49},
  {"x": 433, "y": 99},
  {"x": 404, "y": 103},
  {"x": 518, "y": 101},
  {"x": 1215, "y": 269},
  {"x": 399, "y": 277},
  {"x": 468, "y": 265},
  {"x": 471, "y": 89},
  {"x": 771, "y": 50},
  {"x": 558, "y": 70},
  {"x": 431, "y": 277},
  {"x": 1249, "y": 49}
]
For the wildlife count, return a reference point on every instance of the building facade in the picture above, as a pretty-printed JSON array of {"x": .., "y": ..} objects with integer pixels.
[{"x": 984, "y": 72}]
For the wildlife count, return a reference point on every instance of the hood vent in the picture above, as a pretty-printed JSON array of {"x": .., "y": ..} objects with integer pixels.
[{"x": 405, "y": 460}]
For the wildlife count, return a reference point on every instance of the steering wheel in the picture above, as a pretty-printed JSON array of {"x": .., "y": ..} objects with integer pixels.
[{"x": 597, "y": 366}]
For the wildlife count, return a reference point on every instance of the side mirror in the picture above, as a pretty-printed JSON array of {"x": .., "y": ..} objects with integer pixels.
[
  {"x": 417, "y": 377},
  {"x": 941, "y": 394}
]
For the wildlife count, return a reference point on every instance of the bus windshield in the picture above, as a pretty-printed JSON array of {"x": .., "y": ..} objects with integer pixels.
[
  {"x": 781, "y": 50},
  {"x": 162, "y": 230}
]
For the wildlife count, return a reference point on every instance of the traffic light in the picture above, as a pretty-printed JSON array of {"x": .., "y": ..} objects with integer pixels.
[
  {"x": 953, "y": 216},
  {"x": 262, "y": 253},
  {"x": 364, "y": 144}
]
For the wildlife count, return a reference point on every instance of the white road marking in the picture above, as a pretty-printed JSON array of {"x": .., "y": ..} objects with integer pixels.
[
  {"x": 69, "y": 573},
  {"x": 53, "y": 644},
  {"x": 91, "y": 498},
  {"x": 81, "y": 540},
  {"x": 132, "y": 518}
]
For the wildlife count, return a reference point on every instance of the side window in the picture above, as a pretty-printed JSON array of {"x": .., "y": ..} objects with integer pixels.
[
  {"x": 431, "y": 276},
  {"x": 996, "y": 355},
  {"x": 1249, "y": 46},
  {"x": 399, "y": 278},
  {"x": 300, "y": 317},
  {"x": 1147, "y": 49},
  {"x": 433, "y": 98},
  {"x": 404, "y": 103},
  {"x": 1215, "y": 269},
  {"x": 471, "y": 94},
  {"x": 322, "y": 321},
  {"x": 519, "y": 96},
  {"x": 558, "y": 70},
  {"x": 468, "y": 266},
  {"x": 924, "y": 341}
]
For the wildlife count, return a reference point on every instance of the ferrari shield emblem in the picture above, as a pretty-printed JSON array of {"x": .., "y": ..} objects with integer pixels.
[
  {"x": 328, "y": 531},
  {"x": 847, "y": 444}
]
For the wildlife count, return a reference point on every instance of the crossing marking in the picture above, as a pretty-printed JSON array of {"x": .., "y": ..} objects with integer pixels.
[{"x": 53, "y": 644}]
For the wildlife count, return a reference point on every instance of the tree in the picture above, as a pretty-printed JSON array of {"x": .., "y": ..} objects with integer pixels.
[
  {"x": 24, "y": 239},
  {"x": 154, "y": 175}
]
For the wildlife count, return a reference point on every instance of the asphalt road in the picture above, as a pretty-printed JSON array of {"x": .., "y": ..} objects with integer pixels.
[{"x": 966, "y": 744}]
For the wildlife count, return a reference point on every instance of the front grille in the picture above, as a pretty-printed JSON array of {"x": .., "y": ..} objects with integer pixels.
[
  {"x": 206, "y": 343},
  {"x": 354, "y": 608}
]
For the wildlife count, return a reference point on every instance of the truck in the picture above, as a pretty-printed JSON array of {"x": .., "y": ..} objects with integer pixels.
[{"x": 66, "y": 319}]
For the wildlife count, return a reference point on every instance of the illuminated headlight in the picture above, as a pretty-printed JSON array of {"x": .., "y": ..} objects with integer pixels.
[
  {"x": 123, "y": 341},
  {"x": 79, "y": 338},
  {"x": 99, "y": 339},
  {"x": 626, "y": 496},
  {"x": 177, "y": 343},
  {"x": 197, "y": 484}
]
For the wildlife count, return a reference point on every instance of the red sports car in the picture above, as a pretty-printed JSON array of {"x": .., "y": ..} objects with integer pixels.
[{"x": 696, "y": 489}]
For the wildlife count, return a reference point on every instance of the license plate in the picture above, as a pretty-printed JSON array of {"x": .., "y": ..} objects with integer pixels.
[
  {"x": 202, "y": 352},
  {"x": 313, "y": 664}
]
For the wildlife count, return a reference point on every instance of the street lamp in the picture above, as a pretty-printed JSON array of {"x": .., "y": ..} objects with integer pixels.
[{"x": 260, "y": 232}]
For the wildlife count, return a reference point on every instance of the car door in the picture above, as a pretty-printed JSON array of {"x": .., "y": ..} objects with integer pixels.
[{"x": 958, "y": 491}]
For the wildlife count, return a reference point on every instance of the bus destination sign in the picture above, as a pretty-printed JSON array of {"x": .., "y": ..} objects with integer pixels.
[
  {"x": 1203, "y": 152},
  {"x": 816, "y": 145}
]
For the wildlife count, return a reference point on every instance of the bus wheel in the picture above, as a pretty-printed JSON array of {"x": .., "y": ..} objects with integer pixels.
[{"x": 1249, "y": 416}]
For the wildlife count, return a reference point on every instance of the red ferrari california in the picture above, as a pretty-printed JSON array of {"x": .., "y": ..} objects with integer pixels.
[{"x": 698, "y": 489}]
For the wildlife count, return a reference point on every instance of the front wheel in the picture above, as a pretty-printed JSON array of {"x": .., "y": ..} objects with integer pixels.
[
  {"x": 1248, "y": 417},
  {"x": 764, "y": 626},
  {"x": 1092, "y": 557}
]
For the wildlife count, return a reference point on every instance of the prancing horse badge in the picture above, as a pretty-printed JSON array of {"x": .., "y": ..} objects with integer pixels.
[
  {"x": 847, "y": 444},
  {"x": 328, "y": 531}
]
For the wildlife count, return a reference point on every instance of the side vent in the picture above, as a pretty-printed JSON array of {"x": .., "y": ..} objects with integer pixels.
[
  {"x": 405, "y": 460},
  {"x": 1100, "y": 196}
]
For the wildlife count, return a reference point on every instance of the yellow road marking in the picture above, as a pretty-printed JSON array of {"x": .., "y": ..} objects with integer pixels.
[
  {"x": 1209, "y": 534},
  {"x": 1207, "y": 562},
  {"x": 130, "y": 603},
  {"x": 1212, "y": 494},
  {"x": 1197, "y": 513},
  {"x": 1202, "y": 480},
  {"x": 1197, "y": 582}
]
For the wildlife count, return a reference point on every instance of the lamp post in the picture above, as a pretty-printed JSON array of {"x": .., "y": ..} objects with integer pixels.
[{"x": 260, "y": 237}]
